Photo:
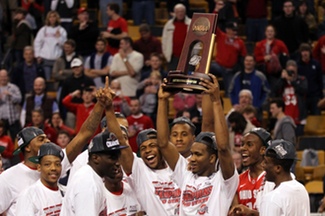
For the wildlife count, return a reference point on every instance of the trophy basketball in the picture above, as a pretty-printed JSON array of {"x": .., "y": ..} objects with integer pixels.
[{"x": 195, "y": 59}]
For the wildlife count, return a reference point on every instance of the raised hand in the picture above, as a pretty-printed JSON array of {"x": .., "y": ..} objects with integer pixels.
[
  {"x": 212, "y": 88},
  {"x": 161, "y": 93},
  {"x": 105, "y": 95}
]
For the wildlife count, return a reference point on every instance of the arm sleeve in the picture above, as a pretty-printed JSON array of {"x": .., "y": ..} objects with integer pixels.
[
  {"x": 38, "y": 42},
  {"x": 86, "y": 203},
  {"x": 69, "y": 105},
  {"x": 15, "y": 94},
  {"x": 25, "y": 205},
  {"x": 180, "y": 171}
]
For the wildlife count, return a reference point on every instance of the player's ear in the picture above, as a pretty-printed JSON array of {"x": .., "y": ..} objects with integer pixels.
[{"x": 38, "y": 167}]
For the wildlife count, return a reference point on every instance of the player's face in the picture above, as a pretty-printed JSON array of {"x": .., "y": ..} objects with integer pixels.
[
  {"x": 109, "y": 164},
  {"x": 50, "y": 168},
  {"x": 269, "y": 168},
  {"x": 150, "y": 154},
  {"x": 181, "y": 136},
  {"x": 201, "y": 161},
  {"x": 251, "y": 150},
  {"x": 117, "y": 175},
  {"x": 35, "y": 144}
]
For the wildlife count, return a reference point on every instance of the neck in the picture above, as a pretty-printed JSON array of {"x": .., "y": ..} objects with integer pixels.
[
  {"x": 28, "y": 63},
  {"x": 209, "y": 171},
  {"x": 100, "y": 52},
  {"x": 51, "y": 186},
  {"x": 186, "y": 154},
  {"x": 249, "y": 71},
  {"x": 87, "y": 104},
  {"x": 115, "y": 16},
  {"x": 282, "y": 178},
  {"x": 255, "y": 170},
  {"x": 305, "y": 59},
  {"x": 113, "y": 186},
  {"x": 280, "y": 116},
  {"x": 77, "y": 75},
  {"x": 269, "y": 40},
  {"x": 29, "y": 164}
]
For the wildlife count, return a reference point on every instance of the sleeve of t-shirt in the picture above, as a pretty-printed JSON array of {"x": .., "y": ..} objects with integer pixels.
[
  {"x": 124, "y": 26},
  {"x": 66, "y": 165},
  {"x": 109, "y": 61},
  {"x": 87, "y": 63},
  {"x": 24, "y": 205},
  {"x": 6, "y": 195},
  {"x": 180, "y": 171},
  {"x": 230, "y": 185},
  {"x": 270, "y": 209},
  {"x": 114, "y": 64},
  {"x": 86, "y": 203},
  {"x": 137, "y": 63}
]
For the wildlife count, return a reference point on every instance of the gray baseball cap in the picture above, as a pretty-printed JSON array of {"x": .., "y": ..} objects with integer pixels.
[
  {"x": 25, "y": 136},
  {"x": 47, "y": 149},
  {"x": 283, "y": 150},
  {"x": 104, "y": 142},
  {"x": 145, "y": 135}
]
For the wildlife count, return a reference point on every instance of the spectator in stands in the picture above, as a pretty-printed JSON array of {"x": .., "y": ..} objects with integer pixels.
[
  {"x": 256, "y": 19},
  {"x": 103, "y": 10},
  {"x": 172, "y": 3},
  {"x": 155, "y": 64},
  {"x": 293, "y": 89},
  {"x": 304, "y": 13},
  {"x": 49, "y": 41},
  {"x": 35, "y": 9},
  {"x": 174, "y": 34},
  {"x": 245, "y": 98},
  {"x": 57, "y": 124},
  {"x": 81, "y": 110},
  {"x": 77, "y": 81},
  {"x": 39, "y": 122},
  {"x": 285, "y": 126},
  {"x": 230, "y": 52},
  {"x": 126, "y": 67},
  {"x": 268, "y": 54},
  {"x": 121, "y": 103},
  {"x": 84, "y": 31},
  {"x": 311, "y": 69},
  {"x": 62, "y": 66},
  {"x": 98, "y": 64},
  {"x": 7, "y": 143},
  {"x": 319, "y": 55},
  {"x": 183, "y": 101},
  {"x": 291, "y": 29},
  {"x": 137, "y": 123},
  {"x": 63, "y": 139},
  {"x": 38, "y": 100},
  {"x": 250, "y": 113},
  {"x": 250, "y": 79},
  {"x": 147, "y": 44},
  {"x": 24, "y": 74},
  {"x": 117, "y": 28},
  {"x": 143, "y": 9},
  {"x": 238, "y": 160},
  {"x": 22, "y": 34},
  {"x": 148, "y": 99},
  {"x": 238, "y": 127},
  {"x": 65, "y": 10},
  {"x": 10, "y": 98},
  {"x": 321, "y": 26},
  {"x": 225, "y": 11}
]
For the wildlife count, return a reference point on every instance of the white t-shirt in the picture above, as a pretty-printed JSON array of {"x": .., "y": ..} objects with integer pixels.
[
  {"x": 85, "y": 194},
  {"x": 155, "y": 189},
  {"x": 202, "y": 195},
  {"x": 38, "y": 200},
  {"x": 79, "y": 162},
  {"x": 123, "y": 204},
  {"x": 16, "y": 179},
  {"x": 289, "y": 198}
]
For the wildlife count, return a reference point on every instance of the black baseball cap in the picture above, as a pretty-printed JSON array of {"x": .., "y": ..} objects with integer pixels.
[
  {"x": 48, "y": 149},
  {"x": 25, "y": 136},
  {"x": 104, "y": 142},
  {"x": 2, "y": 148},
  {"x": 103, "y": 122},
  {"x": 232, "y": 25},
  {"x": 283, "y": 150},
  {"x": 145, "y": 135},
  {"x": 183, "y": 120},
  {"x": 207, "y": 138},
  {"x": 262, "y": 134}
]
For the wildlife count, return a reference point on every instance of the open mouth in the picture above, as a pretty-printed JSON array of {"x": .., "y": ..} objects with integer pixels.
[
  {"x": 151, "y": 159},
  {"x": 245, "y": 157}
]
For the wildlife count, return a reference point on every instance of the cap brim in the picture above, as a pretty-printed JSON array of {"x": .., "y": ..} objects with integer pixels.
[
  {"x": 111, "y": 149},
  {"x": 17, "y": 151},
  {"x": 35, "y": 159}
]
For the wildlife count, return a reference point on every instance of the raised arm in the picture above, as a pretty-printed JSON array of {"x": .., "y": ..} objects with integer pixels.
[
  {"x": 220, "y": 128},
  {"x": 207, "y": 112},
  {"x": 167, "y": 149}
]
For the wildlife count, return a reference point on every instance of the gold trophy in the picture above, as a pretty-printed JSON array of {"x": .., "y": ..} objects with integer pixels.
[{"x": 196, "y": 55}]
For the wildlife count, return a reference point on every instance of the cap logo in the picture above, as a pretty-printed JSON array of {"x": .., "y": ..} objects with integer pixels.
[
  {"x": 20, "y": 141},
  {"x": 280, "y": 150},
  {"x": 90, "y": 146},
  {"x": 112, "y": 143}
]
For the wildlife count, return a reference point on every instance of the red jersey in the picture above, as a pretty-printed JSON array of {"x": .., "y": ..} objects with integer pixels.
[
  {"x": 116, "y": 27},
  {"x": 291, "y": 103},
  {"x": 248, "y": 188},
  {"x": 117, "y": 103},
  {"x": 137, "y": 124}
]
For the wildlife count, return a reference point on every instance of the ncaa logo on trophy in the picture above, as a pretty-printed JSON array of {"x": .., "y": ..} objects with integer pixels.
[{"x": 196, "y": 55}]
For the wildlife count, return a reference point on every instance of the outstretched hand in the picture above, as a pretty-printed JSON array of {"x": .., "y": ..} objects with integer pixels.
[
  {"x": 212, "y": 88},
  {"x": 161, "y": 93},
  {"x": 239, "y": 210},
  {"x": 105, "y": 95}
]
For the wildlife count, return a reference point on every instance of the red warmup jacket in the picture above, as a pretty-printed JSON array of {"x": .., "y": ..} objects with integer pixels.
[
  {"x": 277, "y": 47},
  {"x": 317, "y": 52}
]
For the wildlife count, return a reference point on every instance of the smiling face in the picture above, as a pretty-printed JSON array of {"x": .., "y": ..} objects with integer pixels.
[
  {"x": 182, "y": 137},
  {"x": 201, "y": 161},
  {"x": 252, "y": 150},
  {"x": 151, "y": 155},
  {"x": 270, "y": 169},
  {"x": 35, "y": 144},
  {"x": 50, "y": 168}
]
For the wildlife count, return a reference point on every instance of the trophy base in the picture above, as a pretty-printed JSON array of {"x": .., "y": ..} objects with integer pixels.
[{"x": 188, "y": 83}]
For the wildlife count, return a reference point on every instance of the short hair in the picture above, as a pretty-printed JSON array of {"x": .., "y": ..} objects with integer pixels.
[
  {"x": 114, "y": 7},
  {"x": 64, "y": 132},
  {"x": 155, "y": 74},
  {"x": 70, "y": 42},
  {"x": 47, "y": 19},
  {"x": 38, "y": 110},
  {"x": 100, "y": 39},
  {"x": 179, "y": 6},
  {"x": 284, "y": 163},
  {"x": 158, "y": 55},
  {"x": 128, "y": 40},
  {"x": 21, "y": 10},
  {"x": 238, "y": 118},
  {"x": 250, "y": 55},
  {"x": 27, "y": 48},
  {"x": 249, "y": 109},
  {"x": 144, "y": 27},
  {"x": 285, "y": 1},
  {"x": 291, "y": 63},
  {"x": 279, "y": 103},
  {"x": 246, "y": 91}
]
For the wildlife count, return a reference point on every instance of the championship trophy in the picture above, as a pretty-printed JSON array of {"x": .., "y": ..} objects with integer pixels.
[{"x": 195, "y": 59}]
